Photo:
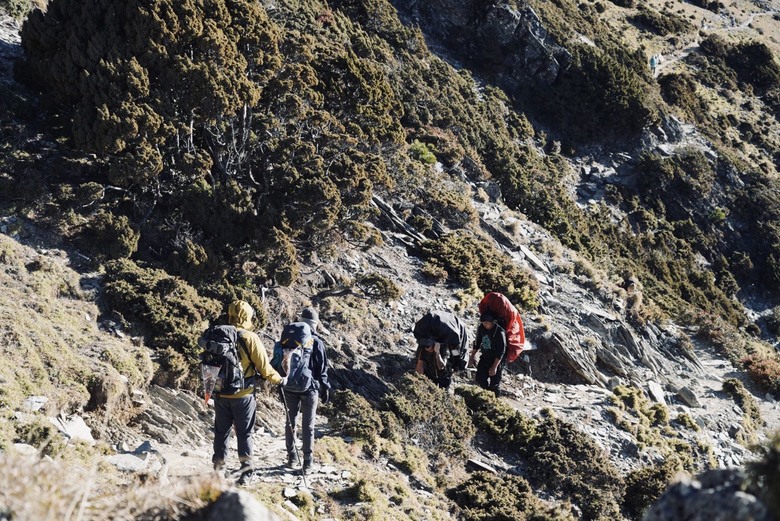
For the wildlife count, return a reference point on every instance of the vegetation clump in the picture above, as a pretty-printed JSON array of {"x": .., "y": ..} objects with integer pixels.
[
  {"x": 477, "y": 265},
  {"x": 566, "y": 462},
  {"x": 432, "y": 420},
  {"x": 487, "y": 497},
  {"x": 171, "y": 311},
  {"x": 645, "y": 485},
  {"x": 751, "y": 414},
  {"x": 649, "y": 424}
]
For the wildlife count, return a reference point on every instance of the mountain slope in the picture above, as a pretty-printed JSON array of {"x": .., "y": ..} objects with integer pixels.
[{"x": 333, "y": 159}]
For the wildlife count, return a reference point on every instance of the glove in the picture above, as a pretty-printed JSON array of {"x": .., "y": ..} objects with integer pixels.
[{"x": 324, "y": 395}]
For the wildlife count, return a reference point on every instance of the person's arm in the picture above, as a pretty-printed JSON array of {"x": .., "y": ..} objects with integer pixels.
[
  {"x": 437, "y": 356},
  {"x": 499, "y": 348},
  {"x": 320, "y": 366},
  {"x": 474, "y": 349},
  {"x": 419, "y": 366},
  {"x": 260, "y": 360}
]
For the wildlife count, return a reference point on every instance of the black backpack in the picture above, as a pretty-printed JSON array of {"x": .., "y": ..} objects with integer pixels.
[
  {"x": 448, "y": 330},
  {"x": 221, "y": 350}
]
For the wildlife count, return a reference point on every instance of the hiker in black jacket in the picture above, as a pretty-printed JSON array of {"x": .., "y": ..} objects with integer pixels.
[
  {"x": 491, "y": 344},
  {"x": 306, "y": 401}
]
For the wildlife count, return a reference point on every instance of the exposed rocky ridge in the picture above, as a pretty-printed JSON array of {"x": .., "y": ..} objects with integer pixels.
[{"x": 511, "y": 43}]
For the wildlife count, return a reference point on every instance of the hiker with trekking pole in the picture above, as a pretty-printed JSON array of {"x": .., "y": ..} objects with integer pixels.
[{"x": 300, "y": 356}]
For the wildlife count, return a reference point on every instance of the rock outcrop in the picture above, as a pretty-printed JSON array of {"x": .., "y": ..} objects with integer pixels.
[
  {"x": 717, "y": 495},
  {"x": 510, "y": 44}
]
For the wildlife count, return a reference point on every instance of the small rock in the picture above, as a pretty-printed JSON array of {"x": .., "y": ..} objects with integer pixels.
[
  {"x": 34, "y": 403},
  {"x": 656, "y": 392},
  {"x": 290, "y": 492},
  {"x": 477, "y": 466},
  {"x": 25, "y": 449},
  {"x": 127, "y": 462},
  {"x": 687, "y": 396}
]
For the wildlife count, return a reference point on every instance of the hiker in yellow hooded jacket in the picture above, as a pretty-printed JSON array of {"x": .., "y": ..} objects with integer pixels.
[{"x": 239, "y": 410}]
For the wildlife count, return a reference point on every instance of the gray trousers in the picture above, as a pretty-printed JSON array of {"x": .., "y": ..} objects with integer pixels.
[
  {"x": 307, "y": 404},
  {"x": 238, "y": 412}
]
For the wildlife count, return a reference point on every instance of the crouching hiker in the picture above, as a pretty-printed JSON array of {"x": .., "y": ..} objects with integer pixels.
[
  {"x": 300, "y": 356},
  {"x": 442, "y": 344},
  {"x": 240, "y": 355},
  {"x": 491, "y": 344}
]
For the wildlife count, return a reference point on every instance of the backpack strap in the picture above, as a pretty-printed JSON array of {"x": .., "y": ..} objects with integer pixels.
[{"x": 242, "y": 343}]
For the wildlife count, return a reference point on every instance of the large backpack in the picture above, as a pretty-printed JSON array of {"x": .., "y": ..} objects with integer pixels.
[
  {"x": 508, "y": 317},
  {"x": 292, "y": 356},
  {"x": 447, "y": 329},
  {"x": 221, "y": 350}
]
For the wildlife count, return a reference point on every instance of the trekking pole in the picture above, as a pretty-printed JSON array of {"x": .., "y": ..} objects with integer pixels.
[{"x": 292, "y": 431}]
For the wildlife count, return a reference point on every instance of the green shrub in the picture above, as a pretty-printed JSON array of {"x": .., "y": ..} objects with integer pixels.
[
  {"x": 433, "y": 420},
  {"x": 560, "y": 459},
  {"x": 600, "y": 97},
  {"x": 488, "y": 497},
  {"x": 645, "y": 485},
  {"x": 352, "y": 415},
  {"x": 661, "y": 24},
  {"x": 169, "y": 311},
  {"x": 475, "y": 263},
  {"x": 40, "y": 433},
  {"x": 765, "y": 371},
  {"x": 421, "y": 153},
  {"x": 751, "y": 414},
  {"x": 498, "y": 419},
  {"x": 16, "y": 9},
  {"x": 680, "y": 90},
  {"x": 379, "y": 286},
  {"x": 108, "y": 236}
]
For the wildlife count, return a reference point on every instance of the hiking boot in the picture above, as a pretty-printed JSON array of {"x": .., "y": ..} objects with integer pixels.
[
  {"x": 306, "y": 468},
  {"x": 293, "y": 460},
  {"x": 247, "y": 475}
]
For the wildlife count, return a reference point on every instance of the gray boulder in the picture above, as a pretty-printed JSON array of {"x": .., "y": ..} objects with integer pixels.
[
  {"x": 716, "y": 495},
  {"x": 238, "y": 505}
]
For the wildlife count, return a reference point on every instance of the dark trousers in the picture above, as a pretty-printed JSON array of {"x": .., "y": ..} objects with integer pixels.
[
  {"x": 306, "y": 403},
  {"x": 230, "y": 412},
  {"x": 485, "y": 381}
]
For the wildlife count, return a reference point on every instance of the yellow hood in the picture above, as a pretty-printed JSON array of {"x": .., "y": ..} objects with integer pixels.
[{"x": 241, "y": 314}]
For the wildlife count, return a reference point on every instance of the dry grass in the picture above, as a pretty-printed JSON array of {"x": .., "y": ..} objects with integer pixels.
[
  {"x": 52, "y": 344},
  {"x": 36, "y": 489}
]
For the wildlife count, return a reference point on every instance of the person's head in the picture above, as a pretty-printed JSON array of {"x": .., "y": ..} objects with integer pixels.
[
  {"x": 312, "y": 317},
  {"x": 426, "y": 343},
  {"x": 487, "y": 320},
  {"x": 241, "y": 314}
]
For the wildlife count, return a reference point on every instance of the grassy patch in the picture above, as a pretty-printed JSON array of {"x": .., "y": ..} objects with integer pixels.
[{"x": 649, "y": 424}]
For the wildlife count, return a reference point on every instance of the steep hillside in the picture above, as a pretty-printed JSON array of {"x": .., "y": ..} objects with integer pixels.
[{"x": 378, "y": 159}]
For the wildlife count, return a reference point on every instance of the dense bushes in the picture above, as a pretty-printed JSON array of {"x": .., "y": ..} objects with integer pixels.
[
  {"x": 645, "y": 485},
  {"x": 169, "y": 310},
  {"x": 751, "y": 61},
  {"x": 476, "y": 264},
  {"x": 438, "y": 423},
  {"x": 488, "y": 497},
  {"x": 566, "y": 462},
  {"x": 661, "y": 24},
  {"x": 601, "y": 97}
]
